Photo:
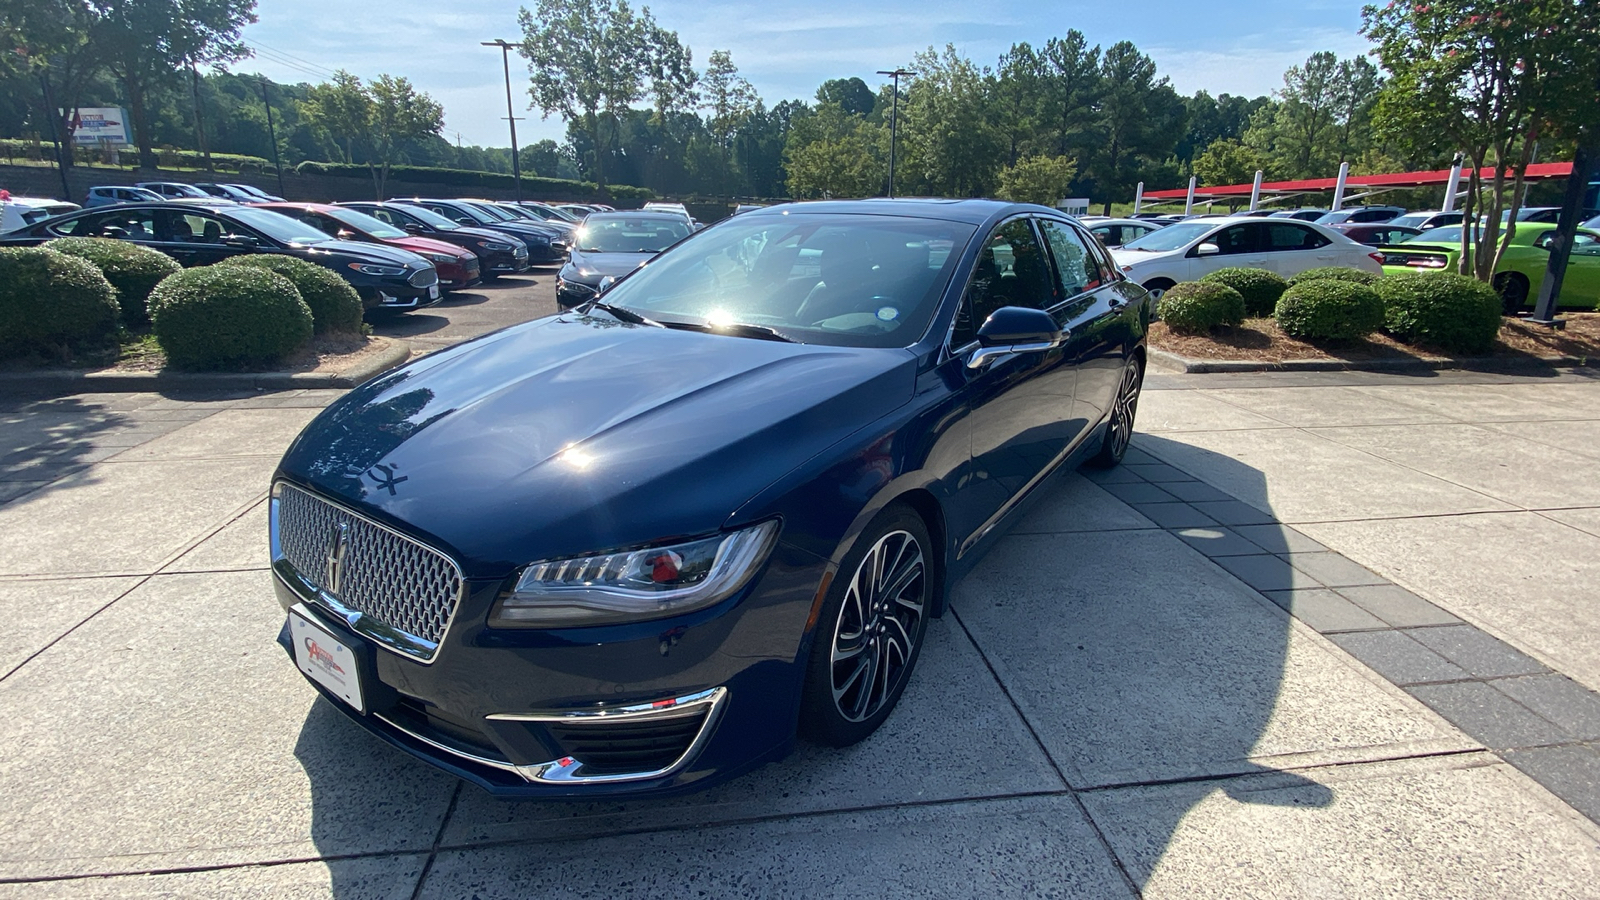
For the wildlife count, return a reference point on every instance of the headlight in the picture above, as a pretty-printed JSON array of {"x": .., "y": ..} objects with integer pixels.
[
  {"x": 631, "y": 585},
  {"x": 439, "y": 258},
  {"x": 496, "y": 246},
  {"x": 370, "y": 269}
]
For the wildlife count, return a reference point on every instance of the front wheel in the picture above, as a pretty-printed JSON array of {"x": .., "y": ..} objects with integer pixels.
[
  {"x": 870, "y": 630},
  {"x": 1155, "y": 287},
  {"x": 1119, "y": 431},
  {"x": 1513, "y": 288}
]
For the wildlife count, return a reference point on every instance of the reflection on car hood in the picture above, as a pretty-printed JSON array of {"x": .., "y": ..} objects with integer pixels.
[
  {"x": 573, "y": 434},
  {"x": 589, "y": 268},
  {"x": 377, "y": 253}
]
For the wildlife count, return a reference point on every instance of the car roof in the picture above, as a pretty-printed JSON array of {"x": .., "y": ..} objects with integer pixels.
[{"x": 971, "y": 212}]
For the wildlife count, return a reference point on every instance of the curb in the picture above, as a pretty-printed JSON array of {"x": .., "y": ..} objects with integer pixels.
[
  {"x": 142, "y": 382},
  {"x": 1190, "y": 366}
]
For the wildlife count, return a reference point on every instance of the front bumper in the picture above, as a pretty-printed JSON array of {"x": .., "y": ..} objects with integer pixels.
[{"x": 515, "y": 711}]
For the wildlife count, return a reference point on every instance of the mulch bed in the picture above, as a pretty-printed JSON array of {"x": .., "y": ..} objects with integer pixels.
[
  {"x": 1259, "y": 340},
  {"x": 326, "y": 354}
]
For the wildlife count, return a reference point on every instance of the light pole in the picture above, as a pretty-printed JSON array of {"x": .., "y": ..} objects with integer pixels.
[
  {"x": 272, "y": 135},
  {"x": 511, "y": 115},
  {"x": 894, "y": 106}
]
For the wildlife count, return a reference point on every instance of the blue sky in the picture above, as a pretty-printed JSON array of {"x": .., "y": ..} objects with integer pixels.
[{"x": 1231, "y": 46}]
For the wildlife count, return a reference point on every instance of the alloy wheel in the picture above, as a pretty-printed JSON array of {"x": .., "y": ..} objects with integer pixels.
[
  {"x": 1122, "y": 415},
  {"x": 873, "y": 639}
]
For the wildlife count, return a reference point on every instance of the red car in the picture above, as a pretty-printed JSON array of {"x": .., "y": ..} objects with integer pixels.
[{"x": 458, "y": 268}]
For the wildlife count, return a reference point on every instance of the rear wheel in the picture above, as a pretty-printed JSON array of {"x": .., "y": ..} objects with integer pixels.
[
  {"x": 1513, "y": 288},
  {"x": 1157, "y": 286},
  {"x": 1119, "y": 430},
  {"x": 869, "y": 633}
]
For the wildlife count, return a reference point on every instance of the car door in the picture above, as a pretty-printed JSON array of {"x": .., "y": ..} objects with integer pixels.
[
  {"x": 1237, "y": 245},
  {"x": 1292, "y": 248},
  {"x": 1581, "y": 285},
  {"x": 1091, "y": 314},
  {"x": 196, "y": 238},
  {"x": 1021, "y": 403}
]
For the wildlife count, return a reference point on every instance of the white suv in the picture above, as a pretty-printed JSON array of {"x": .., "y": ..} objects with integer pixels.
[{"x": 1190, "y": 250}]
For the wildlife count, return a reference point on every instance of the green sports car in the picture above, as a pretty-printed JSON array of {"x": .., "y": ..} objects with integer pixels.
[{"x": 1521, "y": 268}]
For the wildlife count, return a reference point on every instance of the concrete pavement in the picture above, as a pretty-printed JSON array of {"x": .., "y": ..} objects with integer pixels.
[{"x": 1319, "y": 637}]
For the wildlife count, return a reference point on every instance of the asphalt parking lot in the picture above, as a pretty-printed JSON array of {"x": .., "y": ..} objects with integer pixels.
[
  {"x": 479, "y": 310},
  {"x": 1322, "y": 635}
]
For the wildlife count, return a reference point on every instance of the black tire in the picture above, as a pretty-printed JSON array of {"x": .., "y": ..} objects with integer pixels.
[
  {"x": 1124, "y": 409},
  {"x": 844, "y": 701},
  {"x": 1513, "y": 288},
  {"x": 1158, "y": 286}
]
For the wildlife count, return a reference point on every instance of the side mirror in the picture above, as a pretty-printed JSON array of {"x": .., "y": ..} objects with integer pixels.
[
  {"x": 411, "y": 228},
  {"x": 1015, "y": 329},
  {"x": 1207, "y": 249},
  {"x": 605, "y": 284},
  {"x": 463, "y": 220},
  {"x": 242, "y": 241}
]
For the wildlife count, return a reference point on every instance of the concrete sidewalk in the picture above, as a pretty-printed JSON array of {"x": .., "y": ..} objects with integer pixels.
[{"x": 1322, "y": 636}]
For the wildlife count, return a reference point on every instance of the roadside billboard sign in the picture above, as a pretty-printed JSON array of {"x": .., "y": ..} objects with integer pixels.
[{"x": 98, "y": 126}]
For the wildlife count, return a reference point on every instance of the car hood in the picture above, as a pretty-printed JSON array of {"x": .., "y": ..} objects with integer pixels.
[
  {"x": 574, "y": 434},
  {"x": 524, "y": 229},
  {"x": 426, "y": 245},
  {"x": 589, "y": 268},
  {"x": 376, "y": 253},
  {"x": 1123, "y": 257},
  {"x": 481, "y": 232}
]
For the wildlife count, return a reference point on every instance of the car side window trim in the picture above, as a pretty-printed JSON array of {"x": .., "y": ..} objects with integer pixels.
[{"x": 951, "y": 350}]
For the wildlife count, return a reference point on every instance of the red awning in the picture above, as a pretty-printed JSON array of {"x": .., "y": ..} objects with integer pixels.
[{"x": 1536, "y": 172}]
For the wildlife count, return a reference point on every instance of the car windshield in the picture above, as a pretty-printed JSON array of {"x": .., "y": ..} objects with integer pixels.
[
  {"x": 430, "y": 218},
  {"x": 277, "y": 226},
  {"x": 1414, "y": 220},
  {"x": 637, "y": 234},
  {"x": 493, "y": 213},
  {"x": 1171, "y": 237},
  {"x": 550, "y": 212},
  {"x": 1444, "y": 234},
  {"x": 858, "y": 281},
  {"x": 360, "y": 221}
]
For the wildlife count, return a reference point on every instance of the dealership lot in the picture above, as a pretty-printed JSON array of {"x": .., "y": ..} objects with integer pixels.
[{"x": 1120, "y": 703}]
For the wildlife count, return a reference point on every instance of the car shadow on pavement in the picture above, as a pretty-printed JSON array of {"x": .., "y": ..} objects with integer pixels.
[
  {"x": 1091, "y": 662},
  {"x": 409, "y": 325},
  {"x": 463, "y": 298}
]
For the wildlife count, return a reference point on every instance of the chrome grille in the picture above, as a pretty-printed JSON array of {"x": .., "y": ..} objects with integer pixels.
[
  {"x": 394, "y": 583},
  {"x": 425, "y": 278}
]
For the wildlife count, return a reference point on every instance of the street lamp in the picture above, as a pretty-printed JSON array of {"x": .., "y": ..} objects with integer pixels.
[
  {"x": 894, "y": 106},
  {"x": 511, "y": 115}
]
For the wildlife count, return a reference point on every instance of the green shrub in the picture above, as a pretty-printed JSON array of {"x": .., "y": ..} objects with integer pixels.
[
  {"x": 216, "y": 317},
  {"x": 1329, "y": 310},
  {"x": 1196, "y": 307},
  {"x": 1450, "y": 311},
  {"x": 134, "y": 271},
  {"x": 1259, "y": 288},
  {"x": 335, "y": 305},
  {"x": 53, "y": 303},
  {"x": 1334, "y": 273}
]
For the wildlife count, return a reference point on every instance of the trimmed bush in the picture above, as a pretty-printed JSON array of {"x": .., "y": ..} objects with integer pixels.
[
  {"x": 1259, "y": 288},
  {"x": 1450, "y": 311},
  {"x": 1329, "y": 310},
  {"x": 216, "y": 317},
  {"x": 134, "y": 271},
  {"x": 1196, "y": 307},
  {"x": 335, "y": 305},
  {"x": 1334, "y": 273},
  {"x": 53, "y": 303}
]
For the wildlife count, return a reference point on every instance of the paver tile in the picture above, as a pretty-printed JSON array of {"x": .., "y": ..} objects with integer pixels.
[{"x": 1487, "y": 715}]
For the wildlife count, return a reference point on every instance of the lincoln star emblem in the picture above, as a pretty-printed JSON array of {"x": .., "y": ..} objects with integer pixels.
[
  {"x": 338, "y": 545},
  {"x": 384, "y": 477}
]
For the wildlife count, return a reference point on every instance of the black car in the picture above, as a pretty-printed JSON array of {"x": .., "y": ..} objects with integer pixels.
[
  {"x": 1377, "y": 235},
  {"x": 1361, "y": 215},
  {"x": 561, "y": 232},
  {"x": 195, "y": 235},
  {"x": 609, "y": 246},
  {"x": 540, "y": 239},
  {"x": 635, "y": 547},
  {"x": 498, "y": 253}
]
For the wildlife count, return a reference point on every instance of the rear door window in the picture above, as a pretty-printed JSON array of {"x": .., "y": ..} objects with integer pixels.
[
  {"x": 1285, "y": 237},
  {"x": 1077, "y": 269}
]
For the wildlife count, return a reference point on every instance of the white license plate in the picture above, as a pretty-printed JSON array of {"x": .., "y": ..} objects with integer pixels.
[
  {"x": 325, "y": 660},
  {"x": 433, "y": 292}
]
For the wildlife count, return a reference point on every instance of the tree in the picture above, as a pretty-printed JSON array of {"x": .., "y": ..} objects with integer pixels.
[
  {"x": 1488, "y": 78},
  {"x": 52, "y": 52},
  {"x": 833, "y": 153},
  {"x": 147, "y": 43},
  {"x": 378, "y": 118},
  {"x": 728, "y": 97},
  {"x": 1038, "y": 179},
  {"x": 953, "y": 148},
  {"x": 1072, "y": 84},
  {"x": 1141, "y": 119},
  {"x": 1225, "y": 162},
  {"x": 590, "y": 59},
  {"x": 849, "y": 94}
]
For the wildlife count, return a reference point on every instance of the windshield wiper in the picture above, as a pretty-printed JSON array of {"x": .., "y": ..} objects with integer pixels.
[
  {"x": 621, "y": 313},
  {"x": 739, "y": 329}
]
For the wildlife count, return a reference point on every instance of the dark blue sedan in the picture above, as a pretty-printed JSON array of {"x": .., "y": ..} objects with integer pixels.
[{"x": 643, "y": 544}]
